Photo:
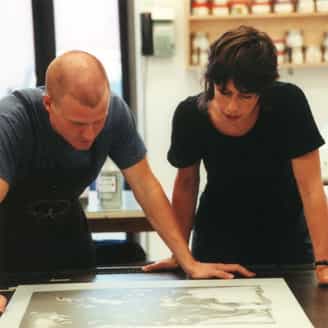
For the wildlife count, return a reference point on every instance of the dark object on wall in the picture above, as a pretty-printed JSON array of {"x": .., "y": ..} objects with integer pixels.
[
  {"x": 44, "y": 37},
  {"x": 147, "y": 41},
  {"x": 124, "y": 37}
]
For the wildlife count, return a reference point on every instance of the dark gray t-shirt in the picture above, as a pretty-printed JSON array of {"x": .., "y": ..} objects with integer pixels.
[{"x": 29, "y": 143}]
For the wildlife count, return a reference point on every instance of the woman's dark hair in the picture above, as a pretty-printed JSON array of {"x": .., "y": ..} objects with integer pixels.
[{"x": 243, "y": 55}]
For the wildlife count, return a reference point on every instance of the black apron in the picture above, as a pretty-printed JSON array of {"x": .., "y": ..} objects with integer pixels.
[{"x": 44, "y": 225}]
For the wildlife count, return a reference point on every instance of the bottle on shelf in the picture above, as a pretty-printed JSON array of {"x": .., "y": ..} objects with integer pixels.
[
  {"x": 283, "y": 6},
  {"x": 220, "y": 8},
  {"x": 110, "y": 185},
  {"x": 295, "y": 44},
  {"x": 322, "y": 6},
  {"x": 280, "y": 45},
  {"x": 200, "y": 7},
  {"x": 297, "y": 55},
  {"x": 325, "y": 47},
  {"x": 261, "y": 7},
  {"x": 199, "y": 52},
  {"x": 305, "y": 6},
  {"x": 313, "y": 54},
  {"x": 239, "y": 7}
]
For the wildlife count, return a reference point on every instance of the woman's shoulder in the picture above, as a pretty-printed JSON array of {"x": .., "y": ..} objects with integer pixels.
[
  {"x": 190, "y": 106},
  {"x": 189, "y": 113},
  {"x": 281, "y": 89},
  {"x": 284, "y": 97}
]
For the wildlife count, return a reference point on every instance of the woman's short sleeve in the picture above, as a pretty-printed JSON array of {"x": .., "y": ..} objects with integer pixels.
[
  {"x": 301, "y": 132},
  {"x": 187, "y": 134}
]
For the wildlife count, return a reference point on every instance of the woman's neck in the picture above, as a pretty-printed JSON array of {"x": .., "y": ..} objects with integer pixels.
[{"x": 229, "y": 127}]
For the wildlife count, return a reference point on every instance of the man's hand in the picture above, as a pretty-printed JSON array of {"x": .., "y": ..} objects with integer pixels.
[
  {"x": 202, "y": 270},
  {"x": 322, "y": 274},
  {"x": 3, "y": 303}
]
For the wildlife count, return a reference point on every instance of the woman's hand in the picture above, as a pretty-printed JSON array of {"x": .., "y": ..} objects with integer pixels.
[
  {"x": 322, "y": 274},
  {"x": 3, "y": 303},
  {"x": 202, "y": 270},
  {"x": 167, "y": 264}
]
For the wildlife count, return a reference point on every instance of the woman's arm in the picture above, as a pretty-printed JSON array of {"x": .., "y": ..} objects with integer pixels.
[
  {"x": 307, "y": 172},
  {"x": 184, "y": 198}
]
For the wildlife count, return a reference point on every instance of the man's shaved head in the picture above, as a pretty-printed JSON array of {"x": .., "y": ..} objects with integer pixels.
[{"x": 78, "y": 74}]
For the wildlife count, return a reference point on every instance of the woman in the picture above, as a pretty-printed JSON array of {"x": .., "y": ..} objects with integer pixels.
[{"x": 259, "y": 144}]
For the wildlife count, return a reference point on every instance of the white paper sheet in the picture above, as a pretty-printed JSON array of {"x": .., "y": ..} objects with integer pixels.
[{"x": 234, "y": 303}]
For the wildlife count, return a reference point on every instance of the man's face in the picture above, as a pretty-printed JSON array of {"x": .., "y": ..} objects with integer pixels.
[{"x": 78, "y": 124}]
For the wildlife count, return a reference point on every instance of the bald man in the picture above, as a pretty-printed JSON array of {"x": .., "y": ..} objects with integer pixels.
[{"x": 53, "y": 143}]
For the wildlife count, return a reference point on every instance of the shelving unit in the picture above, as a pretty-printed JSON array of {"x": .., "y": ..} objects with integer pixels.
[{"x": 313, "y": 26}]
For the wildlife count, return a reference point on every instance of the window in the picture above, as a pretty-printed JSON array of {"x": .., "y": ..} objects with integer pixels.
[
  {"x": 17, "y": 52},
  {"x": 94, "y": 28}
]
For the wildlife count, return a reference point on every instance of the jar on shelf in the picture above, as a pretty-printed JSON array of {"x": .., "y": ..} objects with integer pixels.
[
  {"x": 220, "y": 9},
  {"x": 325, "y": 55},
  {"x": 195, "y": 57},
  {"x": 283, "y": 6},
  {"x": 294, "y": 38},
  {"x": 313, "y": 54},
  {"x": 195, "y": 49},
  {"x": 200, "y": 8},
  {"x": 261, "y": 7},
  {"x": 305, "y": 6},
  {"x": 199, "y": 48},
  {"x": 322, "y": 5},
  {"x": 203, "y": 57},
  {"x": 239, "y": 8}
]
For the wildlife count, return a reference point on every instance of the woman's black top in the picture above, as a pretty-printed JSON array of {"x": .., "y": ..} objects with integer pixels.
[{"x": 250, "y": 211}]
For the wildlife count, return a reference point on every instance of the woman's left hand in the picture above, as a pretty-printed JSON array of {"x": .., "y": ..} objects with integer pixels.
[
  {"x": 322, "y": 274},
  {"x": 167, "y": 264}
]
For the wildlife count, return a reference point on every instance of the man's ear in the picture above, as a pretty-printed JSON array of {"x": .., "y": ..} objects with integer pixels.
[{"x": 47, "y": 102}]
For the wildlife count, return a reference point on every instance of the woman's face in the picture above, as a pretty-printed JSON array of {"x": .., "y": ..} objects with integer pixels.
[{"x": 233, "y": 105}]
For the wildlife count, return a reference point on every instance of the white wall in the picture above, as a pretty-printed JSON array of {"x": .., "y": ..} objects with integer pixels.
[{"x": 163, "y": 83}]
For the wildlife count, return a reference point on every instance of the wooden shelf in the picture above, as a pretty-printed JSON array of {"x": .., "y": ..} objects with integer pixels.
[
  {"x": 283, "y": 66},
  {"x": 313, "y": 26},
  {"x": 258, "y": 16},
  {"x": 306, "y": 65}
]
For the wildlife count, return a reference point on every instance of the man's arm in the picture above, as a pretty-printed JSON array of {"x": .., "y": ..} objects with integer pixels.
[
  {"x": 307, "y": 172},
  {"x": 155, "y": 204},
  {"x": 184, "y": 201},
  {"x": 4, "y": 187}
]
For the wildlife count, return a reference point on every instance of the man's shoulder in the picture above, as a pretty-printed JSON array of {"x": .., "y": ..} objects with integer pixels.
[
  {"x": 31, "y": 95},
  {"x": 22, "y": 100},
  {"x": 21, "y": 103},
  {"x": 117, "y": 102}
]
